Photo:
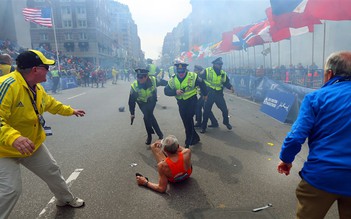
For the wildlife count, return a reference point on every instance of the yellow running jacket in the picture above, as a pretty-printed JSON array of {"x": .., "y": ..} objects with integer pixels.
[{"x": 17, "y": 115}]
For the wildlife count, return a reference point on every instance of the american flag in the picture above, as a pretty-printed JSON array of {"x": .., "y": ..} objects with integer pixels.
[{"x": 39, "y": 16}]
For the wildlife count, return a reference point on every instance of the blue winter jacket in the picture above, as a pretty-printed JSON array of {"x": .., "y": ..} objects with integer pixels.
[{"x": 325, "y": 119}]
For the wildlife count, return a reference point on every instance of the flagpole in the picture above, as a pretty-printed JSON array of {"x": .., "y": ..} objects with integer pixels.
[
  {"x": 279, "y": 54},
  {"x": 243, "y": 56},
  {"x": 270, "y": 55},
  {"x": 313, "y": 46},
  {"x": 325, "y": 26},
  {"x": 248, "y": 58},
  {"x": 264, "y": 57},
  {"x": 254, "y": 49},
  {"x": 290, "y": 52},
  {"x": 53, "y": 25}
]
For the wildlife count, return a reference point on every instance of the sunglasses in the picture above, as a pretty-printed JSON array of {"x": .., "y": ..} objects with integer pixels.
[
  {"x": 44, "y": 66},
  {"x": 141, "y": 76}
]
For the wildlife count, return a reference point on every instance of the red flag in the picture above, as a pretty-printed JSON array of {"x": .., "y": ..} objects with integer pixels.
[
  {"x": 258, "y": 34},
  {"x": 227, "y": 38},
  {"x": 329, "y": 9},
  {"x": 39, "y": 16},
  {"x": 286, "y": 33},
  {"x": 281, "y": 33},
  {"x": 292, "y": 13}
]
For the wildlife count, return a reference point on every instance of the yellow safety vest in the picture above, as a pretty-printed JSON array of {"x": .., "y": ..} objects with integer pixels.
[
  {"x": 55, "y": 73},
  {"x": 144, "y": 95},
  {"x": 187, "y": 85},
  {"x": 213, "y": 80},
  {"x": 152, "y": 69}
]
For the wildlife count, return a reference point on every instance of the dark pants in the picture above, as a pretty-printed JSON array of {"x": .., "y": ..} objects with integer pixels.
[
  {"x": 150, "y": 121},
  {"x": 55, "y": 82},
  {"x": 198, "y": 113},
  {"x": 218, "y": 98},
  {"x": 86, "y": 81},
  {"x": 187, "y": 112}
]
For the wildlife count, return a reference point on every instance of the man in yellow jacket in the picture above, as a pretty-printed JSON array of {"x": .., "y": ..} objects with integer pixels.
[{"x": 23, "y": 131}]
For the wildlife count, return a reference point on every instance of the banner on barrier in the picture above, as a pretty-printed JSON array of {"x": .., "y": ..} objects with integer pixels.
[{"x": 277, "y": 104}]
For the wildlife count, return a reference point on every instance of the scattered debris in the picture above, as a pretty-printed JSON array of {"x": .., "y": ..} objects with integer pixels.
[
  {"x": 133, "y": 164},
  {"x": 262, "y": 208}
]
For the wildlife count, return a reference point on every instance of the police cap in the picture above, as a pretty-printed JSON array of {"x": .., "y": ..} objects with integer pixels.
[
  {"x": 181, "y": 65},
  {"x": 218, "y": 61},
  {"x": 141, "y": 71}
]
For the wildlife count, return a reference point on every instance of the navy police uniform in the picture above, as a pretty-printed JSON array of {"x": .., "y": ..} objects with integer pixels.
[
  {"x": 183, "y": 86},
  {"x": 200, "y": 105},
  {"x": 215, "y": 79},
  {"x": 144, "y": 92}
]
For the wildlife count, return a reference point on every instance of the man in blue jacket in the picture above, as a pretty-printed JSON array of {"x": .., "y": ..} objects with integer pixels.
[{"x": 324, "y": 119}]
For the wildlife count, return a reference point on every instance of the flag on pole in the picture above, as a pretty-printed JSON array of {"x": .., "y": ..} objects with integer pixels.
[
  {"x": 287, "y": 33},
  {"x": 41, "y": 16},
  {"x": 258, "y": 34},
  {"x": 329, "y": 9},
  {"x": 290, "y": 14},
  {"x": 281, "y": 33}
]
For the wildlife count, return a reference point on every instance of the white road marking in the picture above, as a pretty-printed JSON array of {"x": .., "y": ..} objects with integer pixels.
[
  {"x": 69, "y": 183},
  {"x": 76, "y": 95}
]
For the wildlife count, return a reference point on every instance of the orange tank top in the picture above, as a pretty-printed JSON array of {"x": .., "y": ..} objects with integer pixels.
[{"x": 177, "y": 169}]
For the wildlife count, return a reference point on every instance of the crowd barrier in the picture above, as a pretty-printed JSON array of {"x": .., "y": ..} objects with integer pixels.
[
  {"x": 257, "y": 88},
  {"x": 65, "y": 83}
]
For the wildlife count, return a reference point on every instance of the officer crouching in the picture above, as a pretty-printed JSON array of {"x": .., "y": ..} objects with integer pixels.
[{"x": 144, "y": 92}]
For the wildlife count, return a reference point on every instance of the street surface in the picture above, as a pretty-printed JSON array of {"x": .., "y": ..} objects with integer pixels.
[{"x": 233, "y": 171}]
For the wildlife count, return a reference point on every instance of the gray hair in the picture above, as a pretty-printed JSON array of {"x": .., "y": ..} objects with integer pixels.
[
  {"x": 170, "y": 144},
  {"x": 339, "y": 63},
  {"x": 5, "y": 59}
]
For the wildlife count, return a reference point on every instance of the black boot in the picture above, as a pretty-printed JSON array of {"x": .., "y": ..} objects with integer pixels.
[
  {"x": 229, "y": 126},
  {"x": 149, "y": 139}
]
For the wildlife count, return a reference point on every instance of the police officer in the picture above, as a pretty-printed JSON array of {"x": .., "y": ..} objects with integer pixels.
[
  {"x": 55, "y": 77},
  {"x": 215, "y": 79},
  {"x": 144, "y": 92},
  {"x": 152, "y": 68},
  {"x": 183, "y": 87},
  {"x": 200, "y": 104}
]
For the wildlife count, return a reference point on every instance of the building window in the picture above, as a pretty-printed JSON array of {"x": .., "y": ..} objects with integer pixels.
[
  {"x": 68, "y": 36},
  {"x": 83, "y": 46},
  {"x": 81, "y": 10},
  {"x": 69, "y": 46},
  {"x": 83, "y": 36},
  {"x": 82, "y": 23},
  {"x": 66, "y": 10},
  {"x": 44, "y": 36},
  {"x": 67, "y": 23}
]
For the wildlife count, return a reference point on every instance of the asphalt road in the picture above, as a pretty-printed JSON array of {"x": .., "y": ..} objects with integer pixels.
[{"x": 234, "y": 171}]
